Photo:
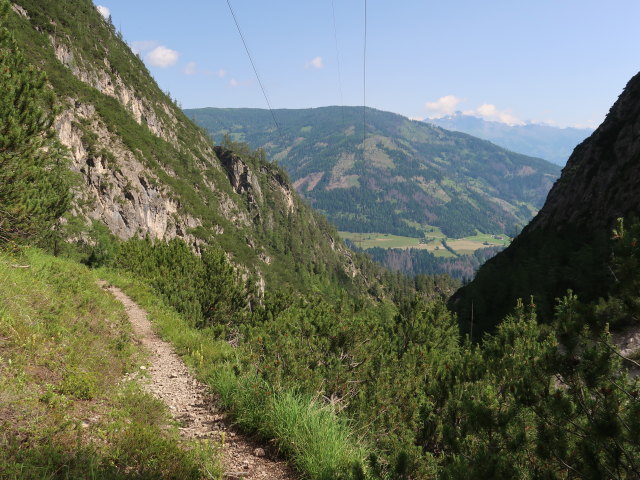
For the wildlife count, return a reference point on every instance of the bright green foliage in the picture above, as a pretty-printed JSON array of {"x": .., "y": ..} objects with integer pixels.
[
  {"x": 205, "y": 289},
  {"x": 34, "y": 191},
  {"x": 368, "y": 361},
  {"x": 320, "y": 442},
  {"x": 525, "y": 406}
]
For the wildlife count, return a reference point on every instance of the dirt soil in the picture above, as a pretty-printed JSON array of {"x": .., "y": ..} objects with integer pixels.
[{"x": 194, "y": 407}]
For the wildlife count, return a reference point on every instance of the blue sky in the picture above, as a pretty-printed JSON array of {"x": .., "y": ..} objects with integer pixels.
[{"x": 557, "y": 61}]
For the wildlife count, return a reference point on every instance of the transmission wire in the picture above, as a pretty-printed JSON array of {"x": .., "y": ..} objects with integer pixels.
[
  {"x": 364, "y": 96},
  {"x": 255, "y": 70},
  {"x": 364, "y": 86},
  {"x": 335, "y": 37}
]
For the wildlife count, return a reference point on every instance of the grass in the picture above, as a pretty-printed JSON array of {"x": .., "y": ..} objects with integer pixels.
[
  {"x": 382, "y": 240},
  {"x": 432, "y": 241},
  {"x": 320, "y": 444},
  {"x": 503, "y": 239},
  {"x": 65, "y": 410}
]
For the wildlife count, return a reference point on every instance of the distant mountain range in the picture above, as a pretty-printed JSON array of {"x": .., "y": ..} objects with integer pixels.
[
  {"x": 409, "y": 177},
  {"x": 538, "y": 140}
]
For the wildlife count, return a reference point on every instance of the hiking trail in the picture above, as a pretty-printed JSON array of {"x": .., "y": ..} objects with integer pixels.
[{"x": 193, "y": 406}]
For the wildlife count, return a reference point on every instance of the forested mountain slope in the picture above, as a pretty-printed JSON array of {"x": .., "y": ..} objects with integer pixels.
[
  {"x": 409, "y": 175},
  {"x": 567, "y": 244},
  {"x": 144, "y": 168}
]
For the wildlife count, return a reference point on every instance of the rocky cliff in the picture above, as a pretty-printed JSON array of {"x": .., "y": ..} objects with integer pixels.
[
  {"x": 566, "y": 246},
  {"x": 145, "y": 169}
]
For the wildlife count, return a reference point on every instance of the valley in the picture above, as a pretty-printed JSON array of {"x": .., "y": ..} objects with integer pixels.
[
  {"x": 408, "y": 179},
  {"x": 433, "y": 241},
  {"x": 330, "y": 293}
]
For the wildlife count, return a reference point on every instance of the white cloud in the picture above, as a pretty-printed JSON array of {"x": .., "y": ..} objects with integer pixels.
[
  {"x": 591, "y": 125},
  {"x": 220, "y": 73},
  {"x": 191, "y": 68},
  {"x": 104, "y": 11},
  {"x": 314, "y": 63},
  {"x": 235, "y": 83},
  {"x": 443, "y": 106},
  {"x": 143, "y": 45},
  {"x": 490, "y": 112},
  {"x": 162, "y": 57},
  {"x": 448, "y": 105}
]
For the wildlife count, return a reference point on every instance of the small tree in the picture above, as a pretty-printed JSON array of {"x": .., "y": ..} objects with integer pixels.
[{"x": 34, "y": 188}]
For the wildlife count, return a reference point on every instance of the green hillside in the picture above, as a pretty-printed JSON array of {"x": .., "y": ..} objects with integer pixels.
[
  {"x": 66, "y": 346},
  {"x": 409, "y": 176}
]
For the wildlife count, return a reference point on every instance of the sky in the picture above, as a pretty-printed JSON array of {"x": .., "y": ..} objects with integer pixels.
[{"x": 561, "y": 62}]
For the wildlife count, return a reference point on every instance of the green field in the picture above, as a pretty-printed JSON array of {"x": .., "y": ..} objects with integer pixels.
[{"x": 432, "y": 241}]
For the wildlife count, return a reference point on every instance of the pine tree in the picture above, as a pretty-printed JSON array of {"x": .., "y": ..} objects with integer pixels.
[{"x": 34, "y": 189}]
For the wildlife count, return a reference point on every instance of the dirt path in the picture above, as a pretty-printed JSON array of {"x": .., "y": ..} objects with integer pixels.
[{"x": 193, "y": 407}]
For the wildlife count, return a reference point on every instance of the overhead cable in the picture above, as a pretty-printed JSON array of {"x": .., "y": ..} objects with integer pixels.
[
  {"x": 255, "y": 70},
  {"x": 335, "y": 37},
  {"x": 364, "y": 86}
]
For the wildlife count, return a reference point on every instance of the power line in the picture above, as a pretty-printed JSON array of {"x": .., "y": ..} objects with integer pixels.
[
  {"x": 364, "y": 97},
  {"x": 255, "y": 70},
  {"x": 364, "y": 86},
  {"x": 335, "y": 37}
]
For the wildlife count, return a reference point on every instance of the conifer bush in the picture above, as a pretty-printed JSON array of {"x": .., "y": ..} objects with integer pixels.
[{"x": 34, "y": 188}]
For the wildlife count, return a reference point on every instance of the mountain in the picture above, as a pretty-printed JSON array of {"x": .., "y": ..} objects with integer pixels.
[
  {"x": 567, "y": 245},
  {"x": 347, "y": 371},
  {"x": 538, "y": 140},
  {"x": 144, "y": 169},
  {"x": 410, "y": 176}
]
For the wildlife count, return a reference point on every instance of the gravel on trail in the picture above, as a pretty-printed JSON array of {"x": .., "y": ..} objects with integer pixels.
[{"x": 193, "y": 407}]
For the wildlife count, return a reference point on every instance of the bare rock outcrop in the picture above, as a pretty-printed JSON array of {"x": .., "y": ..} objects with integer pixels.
[
  {"x": 117, "y": 189},
  {"x": 108, "y": 81}
]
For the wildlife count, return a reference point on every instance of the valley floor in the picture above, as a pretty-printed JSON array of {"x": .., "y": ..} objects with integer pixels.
[{"x": 434, "y": 242}]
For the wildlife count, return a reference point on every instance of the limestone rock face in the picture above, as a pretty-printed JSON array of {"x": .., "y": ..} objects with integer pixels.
[
  {"x": 241, "y": 177},
  {"x": 108, "y": 81},
  {"x": 118, "y": 190},
  {"x": 601, "y": 180}
]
